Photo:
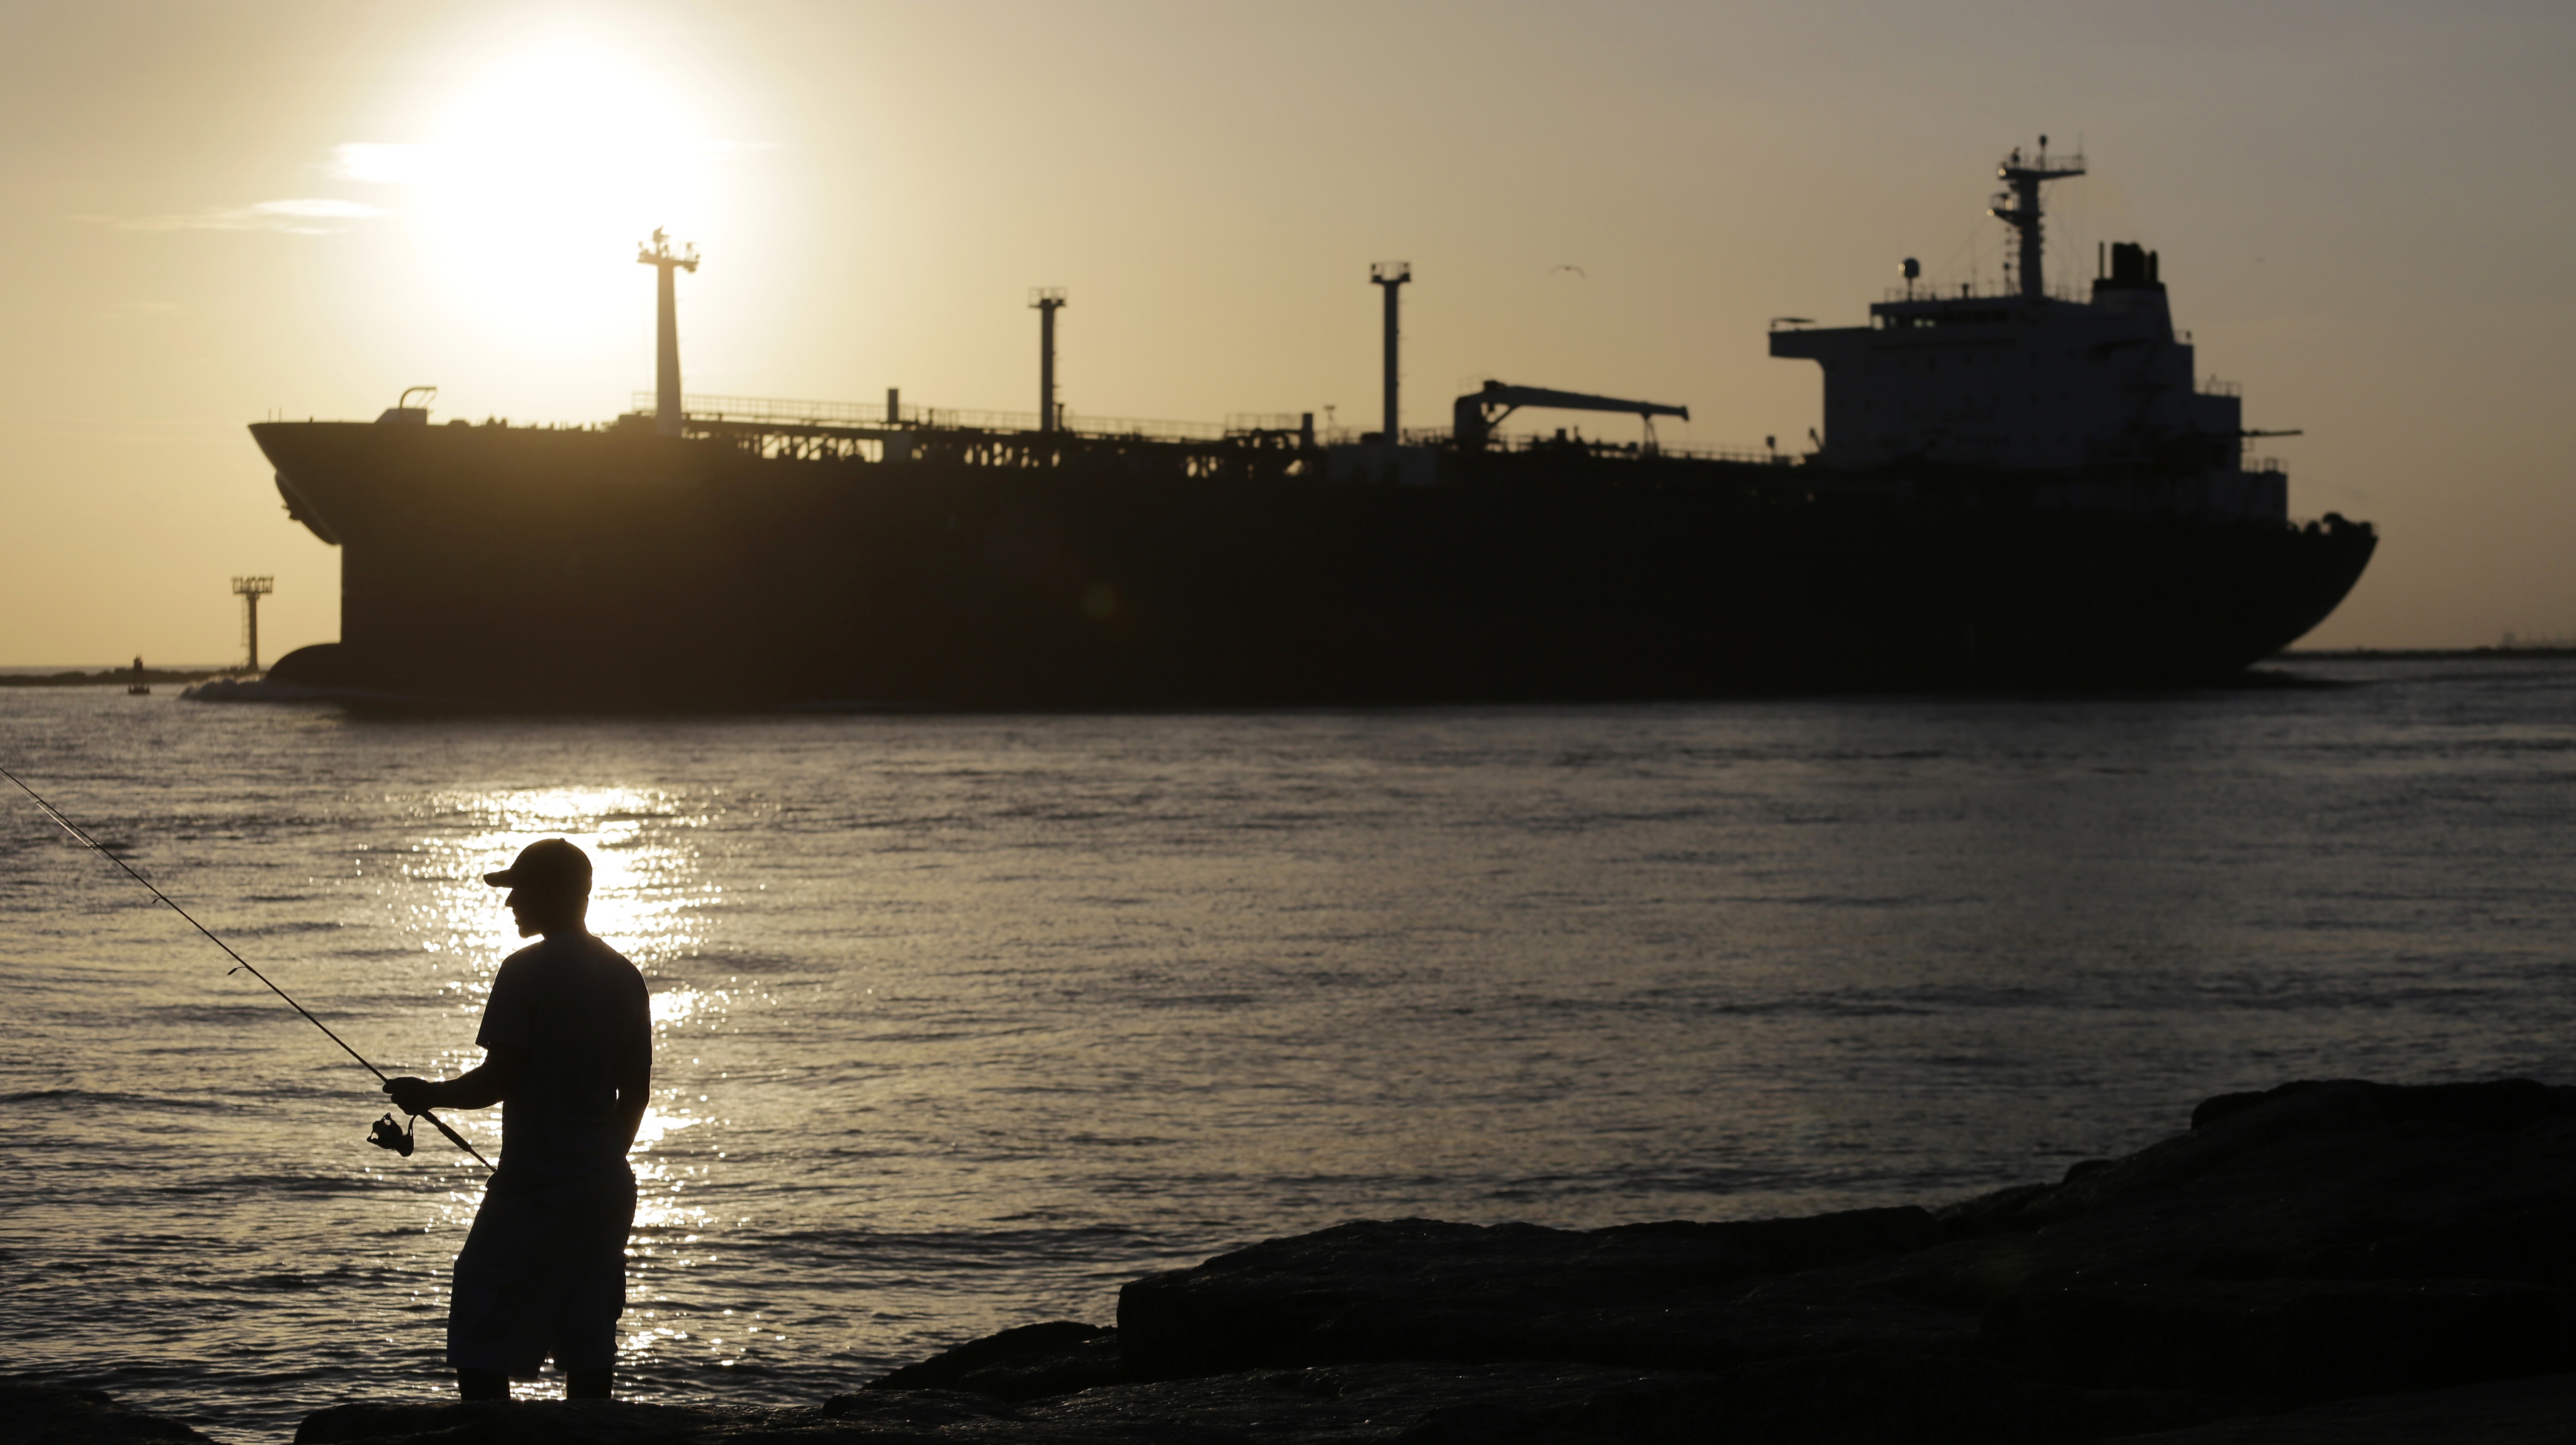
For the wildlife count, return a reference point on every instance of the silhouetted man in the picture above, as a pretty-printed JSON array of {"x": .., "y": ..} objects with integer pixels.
[{"x": 568, "y": 1055}]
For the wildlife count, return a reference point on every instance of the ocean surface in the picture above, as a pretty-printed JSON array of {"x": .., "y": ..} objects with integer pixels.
[{"x": 964, "y": 1021}]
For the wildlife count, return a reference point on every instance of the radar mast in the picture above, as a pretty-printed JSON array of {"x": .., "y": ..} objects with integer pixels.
[{"x": 2019, "y": 207}]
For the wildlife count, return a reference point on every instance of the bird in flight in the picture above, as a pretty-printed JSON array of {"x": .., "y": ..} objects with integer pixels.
[{"x": 1577, "y": 270}]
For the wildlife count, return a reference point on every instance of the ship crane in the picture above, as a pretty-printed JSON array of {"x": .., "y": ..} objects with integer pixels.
[{"x": 1474, "y": 417}]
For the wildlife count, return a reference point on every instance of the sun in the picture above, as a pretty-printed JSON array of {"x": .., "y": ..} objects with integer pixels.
[{"x": 539, "y": 175}]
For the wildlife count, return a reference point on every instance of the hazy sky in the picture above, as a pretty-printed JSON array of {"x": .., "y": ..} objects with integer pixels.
[{"x": 223, "y": 212}]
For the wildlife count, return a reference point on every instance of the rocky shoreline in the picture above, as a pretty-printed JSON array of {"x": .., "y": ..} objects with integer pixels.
[{"x": 2343, "y": 1261}]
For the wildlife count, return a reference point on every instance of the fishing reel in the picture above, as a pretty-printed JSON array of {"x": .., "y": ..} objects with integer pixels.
[{"x": 389, "y": 1135}]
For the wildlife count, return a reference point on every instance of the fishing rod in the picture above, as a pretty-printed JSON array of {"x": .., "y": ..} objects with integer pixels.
[{"x": 385, "y": 1135}]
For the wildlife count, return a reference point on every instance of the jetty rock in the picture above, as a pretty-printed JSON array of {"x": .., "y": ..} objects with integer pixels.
[
  {"x": 2319, "y": 1242},
  {"x": 2342, "y": 1261},
  {"x": 33, "y": 1413}
]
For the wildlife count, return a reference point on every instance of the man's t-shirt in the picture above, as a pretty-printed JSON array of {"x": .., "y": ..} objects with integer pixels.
[{"x": 576, "y": 1011}]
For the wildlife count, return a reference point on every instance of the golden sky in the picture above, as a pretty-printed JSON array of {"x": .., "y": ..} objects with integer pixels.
[{"x": 224, "y": 212}]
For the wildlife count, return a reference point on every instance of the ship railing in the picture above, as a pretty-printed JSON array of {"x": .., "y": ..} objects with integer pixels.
[
  {"x": 1982, "y": 291},
  {"x": 756, "y": 410},
  {"x": 769, "y": 411},
  {"x": 1076, "y": 423},
  {"x": 1429, "y": 436}
]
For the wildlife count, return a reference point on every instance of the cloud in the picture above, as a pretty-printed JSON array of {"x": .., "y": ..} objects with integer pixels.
[
  {"x": 302, "y": 217},
  {"x": 380, "y": 164}
]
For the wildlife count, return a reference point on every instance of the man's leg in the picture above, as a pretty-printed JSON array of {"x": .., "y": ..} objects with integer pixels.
[
  {"x": 598, "y": 1217},
  {"x": 482, "y": 1385}
]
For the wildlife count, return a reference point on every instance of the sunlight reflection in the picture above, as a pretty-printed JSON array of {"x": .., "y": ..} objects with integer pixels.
[
  {"x": 646, "y": 891},
  {"x": 649, "y": 899}
]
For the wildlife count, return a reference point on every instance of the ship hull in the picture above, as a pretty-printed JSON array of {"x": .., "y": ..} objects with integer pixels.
[{"x": 617, "y": 570}]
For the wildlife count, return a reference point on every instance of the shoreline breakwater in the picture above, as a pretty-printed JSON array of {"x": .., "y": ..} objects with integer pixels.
[{"x": 2340, "y": 1260}]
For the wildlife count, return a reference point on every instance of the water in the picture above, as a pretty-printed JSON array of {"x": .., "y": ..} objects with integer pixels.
[{"x": 963, "y": 1021}]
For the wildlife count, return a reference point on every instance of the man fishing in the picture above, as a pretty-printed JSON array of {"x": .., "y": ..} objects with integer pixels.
[{"x": 568, "y": 1055}]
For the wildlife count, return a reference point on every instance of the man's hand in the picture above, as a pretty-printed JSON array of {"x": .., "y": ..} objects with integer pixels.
[{"x": 480, "y": 1087}]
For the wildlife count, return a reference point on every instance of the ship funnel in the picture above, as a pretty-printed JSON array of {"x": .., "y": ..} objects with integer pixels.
[{"x": 666, "y": 338}]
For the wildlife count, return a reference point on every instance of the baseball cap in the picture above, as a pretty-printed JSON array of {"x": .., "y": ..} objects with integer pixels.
[{"x": 545, "y": 863}]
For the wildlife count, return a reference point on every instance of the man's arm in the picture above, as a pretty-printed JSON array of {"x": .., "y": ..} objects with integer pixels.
[
  {"x": 634, "y": 1092},
  {"x": 480, "y": 1087}
]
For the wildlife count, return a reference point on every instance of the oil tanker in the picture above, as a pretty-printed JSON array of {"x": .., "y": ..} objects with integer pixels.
[{"x": 2014, "y": 486}]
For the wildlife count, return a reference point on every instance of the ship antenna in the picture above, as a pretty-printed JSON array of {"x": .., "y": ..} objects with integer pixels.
[
  {"x": 666, "y": 348},
  {"x": 2019, "y": 207}
]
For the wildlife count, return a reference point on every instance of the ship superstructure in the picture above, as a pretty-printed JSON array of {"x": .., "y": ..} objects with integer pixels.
[
  {"x": 2095, "y": 388},
  {"x": 2019, "y": 488}
]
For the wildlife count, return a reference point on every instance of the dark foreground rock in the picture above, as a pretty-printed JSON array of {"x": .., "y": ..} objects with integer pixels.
[
  {"x": 2509, "y": 1412},
  {"x": 1029, "y": 1362},
  {"x": 32, "y": 1414},
  {"x": 2336, "y": 1261}
]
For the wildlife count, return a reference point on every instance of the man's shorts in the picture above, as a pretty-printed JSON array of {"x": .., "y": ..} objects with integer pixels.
[{"x": 543, "y": 1273}]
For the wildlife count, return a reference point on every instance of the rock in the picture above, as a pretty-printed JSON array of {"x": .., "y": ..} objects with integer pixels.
[
  {"x": 1823, "y": 1400},
  {"x": 2516, "y": 1412},
  {"x": 38, "y": 1414},
  {"x": 2316, "y": 1240},
  {"x": 1662, "y": 1296},
  {"x": 925, "y": 1415},
  {"x": 519, "y": 1422},
  {"x": 2295, "y": 1340},
  {"x": 1344, "y": 1403},
  {"x": 2337, "y": 1181},
  {"x": 1026, "y": 1363},
  {"x": 1855, "y": 1399},
  {"x": 2379, "y": 1138},
  {"x": 2491, "y": 1104},
  {"x": 912, "y": 1415}
]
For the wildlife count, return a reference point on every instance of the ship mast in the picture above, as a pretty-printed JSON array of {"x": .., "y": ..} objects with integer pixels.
[
  {"x": 1392, "y": 275},
  {"x": 2022, "y": 214},
  {"x": 666, "y": 347}
]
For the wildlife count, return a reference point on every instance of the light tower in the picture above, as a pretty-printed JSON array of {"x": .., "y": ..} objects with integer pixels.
[
  {"x": 2025, "y": 176},
  {"x": 1391, "y": 275},
  {"x": 666, "y": 340},
  {"x": 250, "y": 590},
  {"x": 1047, "y": 300}
]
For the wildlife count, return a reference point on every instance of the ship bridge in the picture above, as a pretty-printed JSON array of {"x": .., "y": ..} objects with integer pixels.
[{"x": 2023, "y": 378}]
